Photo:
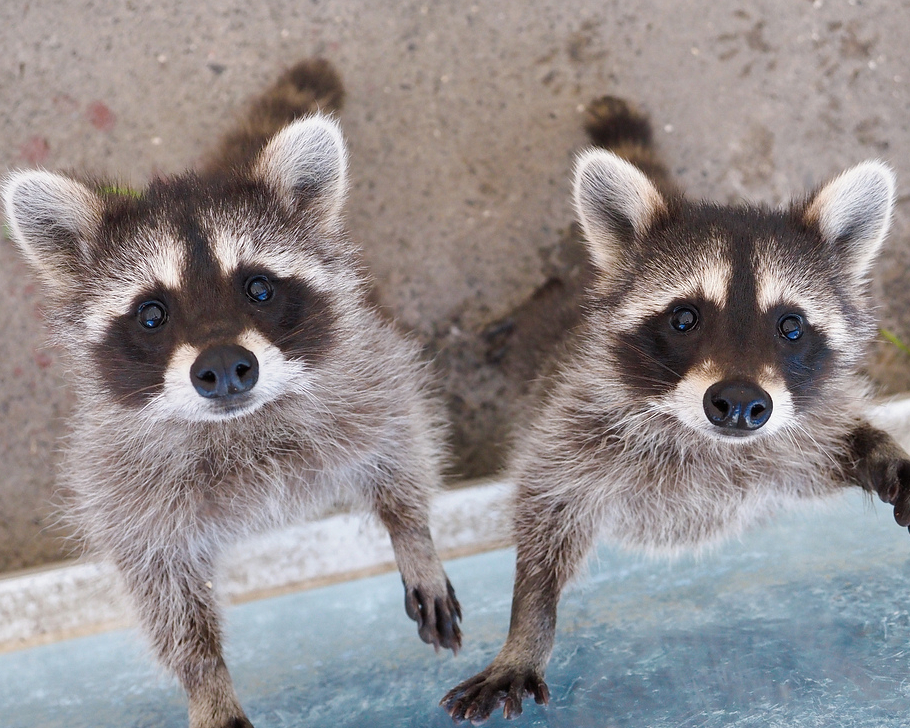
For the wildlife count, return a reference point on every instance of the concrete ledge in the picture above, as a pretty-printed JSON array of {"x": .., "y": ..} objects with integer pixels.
[
  {"x": 893, "y": 416},
  {"x": 84, "y": 597}
]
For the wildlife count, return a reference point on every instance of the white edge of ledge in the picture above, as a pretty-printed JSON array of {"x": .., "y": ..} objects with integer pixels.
[
  {"x": 84, "y": 597},
  {"x": 893, "y": 416}
]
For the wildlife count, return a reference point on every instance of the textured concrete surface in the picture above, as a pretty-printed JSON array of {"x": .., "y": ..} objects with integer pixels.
[
  {"x": 801, "y": 624},
  {"x": 462, "y": 121}
]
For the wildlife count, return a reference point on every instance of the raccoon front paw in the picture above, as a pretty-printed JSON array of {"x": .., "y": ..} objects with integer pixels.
[
  {"x": 891, "y": 480},
  {"x": 437, "y": 615},
  {"x": 235, "y": 722},
  {"x": 476, "y": 698}
]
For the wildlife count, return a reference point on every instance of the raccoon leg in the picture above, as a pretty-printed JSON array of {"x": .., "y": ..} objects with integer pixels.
[
  {"x": 429, "y": 598},
  {"x": 518, "y": 669},
  {"x": 178, "y": 611},
  {"x": 878, "y": 464},
  {"x": 552, "y": 542}
]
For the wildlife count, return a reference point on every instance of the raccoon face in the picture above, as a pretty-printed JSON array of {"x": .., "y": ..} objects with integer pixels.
[
  {"x": 721, "y": 374},
  {"x": 202, "y": 299},
  {"x": 218, "y": 346},
  {"x": 739, "y": 322}
]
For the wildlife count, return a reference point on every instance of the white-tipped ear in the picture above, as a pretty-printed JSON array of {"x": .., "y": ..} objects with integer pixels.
[
  {"x": 306, "y": 162},
  {"x": 853, "y": 213},
  {"x": 615, "y": 202},
  {"x": 51, "y": 219}
]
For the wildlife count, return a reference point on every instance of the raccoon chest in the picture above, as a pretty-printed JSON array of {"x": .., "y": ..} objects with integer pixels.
[
  {"x": 670, "y": 513},
  {"x": 225, "y": 483}
]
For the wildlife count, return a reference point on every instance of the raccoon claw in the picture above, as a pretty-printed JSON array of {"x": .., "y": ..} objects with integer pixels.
[
  {"x": 893, "y": 486},
  {"x": 437, "y": 617},
  {"x": 902, "y": 512},
  {"x": 476, "y": 698}
]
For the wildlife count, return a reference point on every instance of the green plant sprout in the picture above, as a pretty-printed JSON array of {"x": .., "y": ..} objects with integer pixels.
[
  {"x": 118, "y": 190},
  {"x": 893, "y": 338}
]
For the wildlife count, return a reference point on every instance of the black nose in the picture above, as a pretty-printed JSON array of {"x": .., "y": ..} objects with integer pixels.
[
  {"x": 223, "y": 370},
  {"x": 737, "y": 405}
]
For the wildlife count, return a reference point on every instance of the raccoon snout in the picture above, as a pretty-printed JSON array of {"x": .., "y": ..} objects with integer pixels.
[
  {"x": 224, "y": 370},
  {"x": 737, "y": 405}
]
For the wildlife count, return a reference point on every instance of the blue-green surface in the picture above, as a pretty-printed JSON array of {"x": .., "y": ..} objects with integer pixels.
[{"x": 804, "y": 622}]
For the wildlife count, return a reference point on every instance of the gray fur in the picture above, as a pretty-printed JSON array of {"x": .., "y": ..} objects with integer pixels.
[
  {"x": 159, "y": 480},
  {"x": 633, "y": 458}
]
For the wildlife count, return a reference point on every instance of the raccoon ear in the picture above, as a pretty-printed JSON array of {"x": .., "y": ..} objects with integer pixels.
[
  {"x": 615, "y": 202},
  {"x": 853, "y": 213},
  {"x": 51, "y": 219},
  {"x": 306, "y": 162}
]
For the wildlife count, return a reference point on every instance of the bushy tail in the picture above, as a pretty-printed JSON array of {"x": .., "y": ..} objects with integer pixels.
[
  {"x": 311, "y": 85},
  {"x": 616, "y": 125}
]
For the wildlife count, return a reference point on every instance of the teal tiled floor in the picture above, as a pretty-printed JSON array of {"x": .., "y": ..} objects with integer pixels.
[{"x": 805, "y": 622}]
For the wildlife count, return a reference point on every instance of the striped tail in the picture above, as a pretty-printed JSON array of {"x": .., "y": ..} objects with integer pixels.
[
  {"x": 310, "y": 86},
  {"x": 617, "y": 126}
]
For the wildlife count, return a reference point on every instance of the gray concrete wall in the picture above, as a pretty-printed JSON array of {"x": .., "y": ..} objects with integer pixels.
[{"x": 462, "y": 120}]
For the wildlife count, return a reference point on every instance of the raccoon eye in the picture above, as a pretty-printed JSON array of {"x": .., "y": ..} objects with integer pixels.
[
  {"x": 259, "y": 289},
  {"x": 790, "y": 326},
  {"x": 684, "y": 318},
  {"x": 151, "y": 315}
]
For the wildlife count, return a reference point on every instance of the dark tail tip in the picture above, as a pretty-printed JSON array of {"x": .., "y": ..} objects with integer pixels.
[
  {"x": 612, "y": 122},
  {"x": 309, "y": 86},
  {"x": 317, "y": 80}
]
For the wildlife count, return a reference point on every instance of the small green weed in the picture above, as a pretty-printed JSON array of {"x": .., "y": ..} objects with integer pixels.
[{"x": 893, "y": 338}]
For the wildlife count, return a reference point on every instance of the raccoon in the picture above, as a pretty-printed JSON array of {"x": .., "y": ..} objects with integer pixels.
[
  {"x": 712, "y": 380},
  {"x": 230, "y": 374}
]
